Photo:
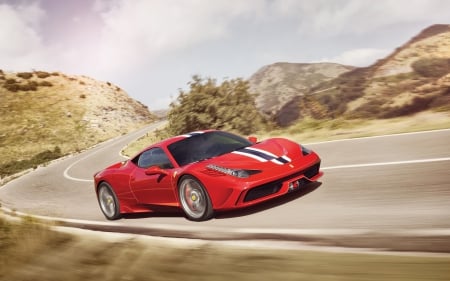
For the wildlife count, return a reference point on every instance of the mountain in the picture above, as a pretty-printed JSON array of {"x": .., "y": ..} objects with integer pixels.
[
  {"x": 42, "y": 111},
  {"x": 278, "y": 83},
  {"x": 414, "y": 78}
]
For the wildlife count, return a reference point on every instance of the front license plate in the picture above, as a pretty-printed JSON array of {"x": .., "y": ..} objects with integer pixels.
[{"x": 297, "y": 184}]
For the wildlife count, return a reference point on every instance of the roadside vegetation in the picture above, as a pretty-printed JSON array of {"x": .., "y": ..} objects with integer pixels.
[
  {"x": 44, "y": 116},
  {"x": 31, "y": 251},
  {"x": 228, "y": 106},
  {"x": 231, "y": 106}
]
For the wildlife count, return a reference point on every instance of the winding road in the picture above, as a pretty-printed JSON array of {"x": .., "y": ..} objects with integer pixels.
[{"x": 376, "y": 183}]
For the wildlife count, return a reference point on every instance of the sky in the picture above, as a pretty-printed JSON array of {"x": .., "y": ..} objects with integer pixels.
[{"x": 152, "y": 48}]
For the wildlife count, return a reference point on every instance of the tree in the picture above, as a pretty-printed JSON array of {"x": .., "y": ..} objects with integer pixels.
[{"x": 229, "y": 106}]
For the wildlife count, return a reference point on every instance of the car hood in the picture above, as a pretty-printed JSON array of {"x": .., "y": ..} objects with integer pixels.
[{"x": 267, "y": 153}]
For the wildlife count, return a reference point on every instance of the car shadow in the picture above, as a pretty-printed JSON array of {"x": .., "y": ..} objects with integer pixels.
[
  {"x": 158, "y": 212},
  {"x": 174, "y": 212},
  {"x": 275, "y": 202}
]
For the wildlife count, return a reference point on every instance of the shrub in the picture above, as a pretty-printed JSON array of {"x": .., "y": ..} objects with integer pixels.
[
  {"x": 45, "y": 84},
  {"x": 12, "y": 87},
  {"x": 369, "y": 109},
  {"x": 229, "y": 106},
  {"x": 25, "y": 75},
  {"x": 42, "y": 74},
  {"x": 30, "y": 86},
  {"x": 82, "y": 96},
  {"x": 10, "y": 81},
  {"x": 16, "y": 166},
  {"x": 432, "y": 67},
  {"x": 289, "y": 113},
  {"x": 417, "y": 104}
]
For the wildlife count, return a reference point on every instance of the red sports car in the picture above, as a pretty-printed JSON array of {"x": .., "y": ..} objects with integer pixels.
[{"x": 203, "y": 172}]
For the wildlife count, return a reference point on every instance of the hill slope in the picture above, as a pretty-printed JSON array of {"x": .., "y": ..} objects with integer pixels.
[
  {"x": 41, "y": 111},
  {"x": 414, "y": 78},
  {"x": 278, "y": 83}
]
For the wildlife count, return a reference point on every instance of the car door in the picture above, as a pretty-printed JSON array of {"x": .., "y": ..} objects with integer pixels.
[{"x": 154, "y": 188}]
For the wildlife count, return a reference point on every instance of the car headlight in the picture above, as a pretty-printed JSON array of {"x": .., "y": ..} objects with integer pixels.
[
  {"x": 239, "y": 173},
  {"x": 305, "y": 151}
]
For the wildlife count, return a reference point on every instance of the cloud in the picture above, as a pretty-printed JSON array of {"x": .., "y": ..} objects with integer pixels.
[
  {"x": 323, "y": 18},
  {"x": 137, "y": 31},
  {"x": 19, "y": 36},
  {"x": 359, "y": 57}
]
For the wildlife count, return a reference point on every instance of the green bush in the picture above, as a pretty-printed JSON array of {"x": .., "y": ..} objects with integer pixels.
[{"x": 229, "y": 106}]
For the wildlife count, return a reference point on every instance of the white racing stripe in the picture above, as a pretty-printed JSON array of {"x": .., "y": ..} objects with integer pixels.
[
  {"x": 250, "y": 155},
  {"x": 262, "y": 151},
  {"x": 387, "y": 163}
]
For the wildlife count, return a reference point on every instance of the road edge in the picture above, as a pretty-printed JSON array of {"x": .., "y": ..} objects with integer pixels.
[{"x": 393, "y": 241}]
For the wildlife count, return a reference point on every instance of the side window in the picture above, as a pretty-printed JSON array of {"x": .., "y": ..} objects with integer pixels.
[{"x": 154, "y": 157}]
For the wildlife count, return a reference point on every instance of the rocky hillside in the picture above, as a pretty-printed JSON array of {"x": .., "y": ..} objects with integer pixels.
[
  {"x": 414, "y": 78},
  {"x": 278, "y": 83},
  {"x": 42, "y": 111}
]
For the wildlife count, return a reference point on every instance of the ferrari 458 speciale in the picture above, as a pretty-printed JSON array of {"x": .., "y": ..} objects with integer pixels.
[{"x": 203, "y": 172}]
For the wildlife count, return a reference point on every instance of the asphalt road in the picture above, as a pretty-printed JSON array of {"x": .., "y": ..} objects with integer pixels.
[{"x": 380, "y": 183}]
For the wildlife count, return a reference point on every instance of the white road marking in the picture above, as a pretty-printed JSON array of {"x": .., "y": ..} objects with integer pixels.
[
  {"x": 387, "y": 163},
  {"x": 66, "y": 171},
  {"x": 111, "y": 142}
]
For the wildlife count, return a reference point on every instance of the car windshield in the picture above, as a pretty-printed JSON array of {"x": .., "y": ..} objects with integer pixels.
[{"x": 205, "y": 145}]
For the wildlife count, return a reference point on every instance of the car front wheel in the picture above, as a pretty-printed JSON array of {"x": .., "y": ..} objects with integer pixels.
[
  {"x": 194, "y": 199},
  {"x": 107, "y": 199}
]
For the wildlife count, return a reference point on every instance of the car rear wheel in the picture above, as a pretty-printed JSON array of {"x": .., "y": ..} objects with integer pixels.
[
  {"x": 194, "y": 199},
  {"x": 107, "y": 199}
]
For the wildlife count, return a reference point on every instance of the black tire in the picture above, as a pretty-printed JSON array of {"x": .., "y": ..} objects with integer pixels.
[
  {"x": 194, "y": 199},
  {"x": 107, "y": 199}
]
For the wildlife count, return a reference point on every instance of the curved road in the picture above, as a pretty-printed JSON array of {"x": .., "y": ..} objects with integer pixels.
[{"x": 377, "y": 183}]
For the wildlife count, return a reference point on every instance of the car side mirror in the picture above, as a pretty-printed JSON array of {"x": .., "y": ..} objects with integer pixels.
[
  {"x": 155, "y": 170},
  {"x": 253, "y": 139}
]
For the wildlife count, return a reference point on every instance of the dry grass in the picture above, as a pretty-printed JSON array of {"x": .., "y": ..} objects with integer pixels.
[
  {"x": 34, "y": 252},
  {"x": 72, "y": 113},
  {"x": 310, "y": 130}
]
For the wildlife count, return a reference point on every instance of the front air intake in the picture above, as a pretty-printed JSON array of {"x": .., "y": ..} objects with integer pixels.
[{"x": 262, "y": 191}]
